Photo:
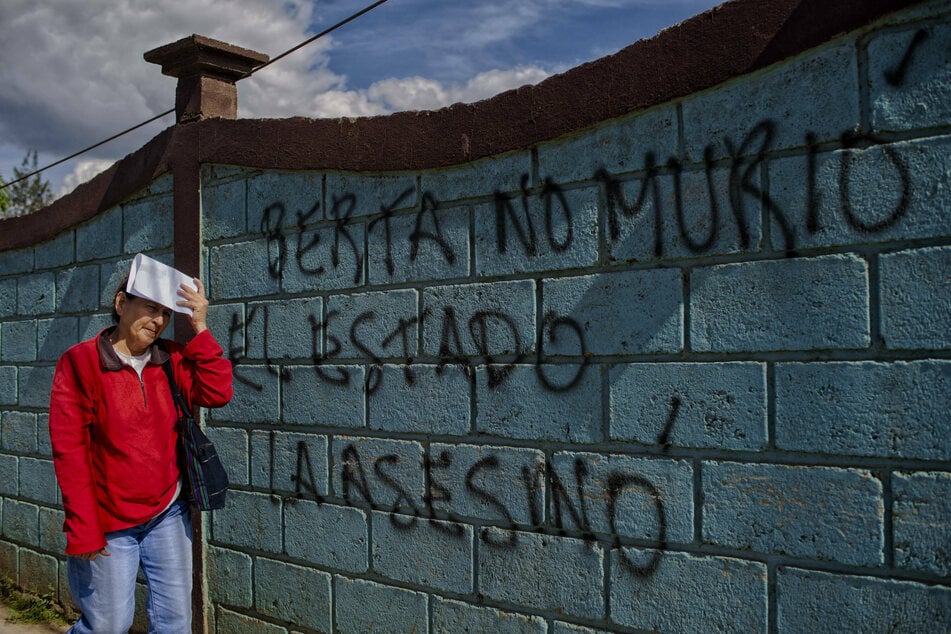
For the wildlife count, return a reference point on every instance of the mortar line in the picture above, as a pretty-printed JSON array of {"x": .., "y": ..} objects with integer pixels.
[
  {"x": 771, "y": 405},
  {"x": 888, "y": 524},
  {"x": 331, "y": 492},
  {"x": 333, "y": 602},
  {"x": 749, "y": 456},
  {"x": 476, "y": 552},
  {"x": 698, "y": 501},
  {"x": 876, "y": 336},
  {"x": 772, "y": 618},
  {"x": 539, "y": 320},
  {"x": 430, "y": 600},
  {"x": 473, "y": 403},
  {"x": 270, "y": 466},
  {"x": 546, "y": 498},
  {"x": 605, "y": 378},
  {"x": 370, "y": 521},
  {"x": 471, "y": 245},
  {"x": 604, "y": 240},
  {"x": 364, "y": 224},
  {"x": 246, "y": 196},
  {"x": 608, "y": 558},
  {"x": 687, "y": 298}
]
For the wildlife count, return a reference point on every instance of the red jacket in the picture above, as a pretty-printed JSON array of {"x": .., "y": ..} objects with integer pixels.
[{"x": 114, "y": 438}]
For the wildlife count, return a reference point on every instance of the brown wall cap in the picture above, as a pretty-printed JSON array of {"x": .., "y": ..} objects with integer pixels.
[
  {"x": 726, "y": 42},
  {"x": 736, "y": 38},
  {"x": 200, "y": 55},
  {"x": 123, "y": 179}
]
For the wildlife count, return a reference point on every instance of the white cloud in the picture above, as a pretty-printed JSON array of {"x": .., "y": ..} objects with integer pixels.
[
  {"x": 344, "y": 103},
  {"x": 415, "y": 93},
  {"x": 408, "y": 93},
  {"x": 492, "y": 82},
  {"x": 73, "y": 72},
  {"x": 78, "y": 73},
  {"x": 84, "y": 171},
  {"x": 418, "y": 93}
]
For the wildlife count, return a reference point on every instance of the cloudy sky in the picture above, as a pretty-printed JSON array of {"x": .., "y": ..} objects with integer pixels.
[{"x": 73, "y": 72}]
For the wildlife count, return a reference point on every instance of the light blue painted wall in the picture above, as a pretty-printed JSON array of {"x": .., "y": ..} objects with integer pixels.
[{"x": 688, "y": 371}]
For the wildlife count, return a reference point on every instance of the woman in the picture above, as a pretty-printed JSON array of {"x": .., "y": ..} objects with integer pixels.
[{"x": 115, "y": 450}]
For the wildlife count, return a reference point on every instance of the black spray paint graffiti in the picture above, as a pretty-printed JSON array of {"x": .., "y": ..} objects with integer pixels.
[
  {"x": 482, "y": 328},
  {"x": 404, "y": 513},
  {"x": 515, "y": 228},
  {"x": 551, "y": 194},
  {"x": 896, "y": 76},
  {"x": 515, "y": 224},
  {"x": 745, "y": 163}
]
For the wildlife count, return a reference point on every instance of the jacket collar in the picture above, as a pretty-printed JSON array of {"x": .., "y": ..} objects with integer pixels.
[{"x": 110, "y": 359}]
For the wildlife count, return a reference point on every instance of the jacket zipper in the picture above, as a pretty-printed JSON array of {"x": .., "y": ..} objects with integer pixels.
[{"x": 145, "y": 400}]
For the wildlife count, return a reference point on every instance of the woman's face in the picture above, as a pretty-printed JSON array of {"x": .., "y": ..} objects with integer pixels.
[{"x": 141, "y": 321}]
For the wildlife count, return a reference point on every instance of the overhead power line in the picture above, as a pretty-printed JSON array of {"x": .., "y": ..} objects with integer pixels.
[
  {"x": 323, "y": 33},
  {"x": 91, "y": 147},
  {"x": 336, "y": 26}
]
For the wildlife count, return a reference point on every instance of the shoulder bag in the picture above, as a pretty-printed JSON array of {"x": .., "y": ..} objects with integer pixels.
[{"x": 205, "y": 478}]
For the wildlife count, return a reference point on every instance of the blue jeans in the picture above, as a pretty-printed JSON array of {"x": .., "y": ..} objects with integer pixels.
[{"x": 104, "y": 588}]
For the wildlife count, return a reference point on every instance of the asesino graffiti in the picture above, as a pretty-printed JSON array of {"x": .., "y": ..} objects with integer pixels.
[{"x": 570, "y": 501}]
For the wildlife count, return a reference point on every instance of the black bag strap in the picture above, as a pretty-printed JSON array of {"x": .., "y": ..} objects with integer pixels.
[{"x": 176, "y": 395}]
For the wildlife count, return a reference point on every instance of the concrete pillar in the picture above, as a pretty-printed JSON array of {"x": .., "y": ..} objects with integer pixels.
[{"x": 207, "y": 71}]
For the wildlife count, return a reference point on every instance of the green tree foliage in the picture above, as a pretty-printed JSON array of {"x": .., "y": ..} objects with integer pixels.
[
  {"x": 4, "y": 201},
  {"x": 29, "y": 194}
]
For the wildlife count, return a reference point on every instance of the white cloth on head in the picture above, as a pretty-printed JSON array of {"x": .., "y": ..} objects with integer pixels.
[{"x": 158, "y": 282}]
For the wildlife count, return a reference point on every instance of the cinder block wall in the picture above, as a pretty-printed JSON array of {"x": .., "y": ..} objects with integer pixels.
[{"x": 687, "y": 370}]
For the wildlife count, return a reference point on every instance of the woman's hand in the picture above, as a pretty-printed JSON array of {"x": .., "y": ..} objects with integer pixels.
[
  {"x": 196, "y": 300},
  {"x": 92, "y": 556}
]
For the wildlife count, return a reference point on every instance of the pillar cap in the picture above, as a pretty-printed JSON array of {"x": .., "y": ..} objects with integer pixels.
[
  {"x": 207, "y": 71},
  {"x": 197, "y": 55}
]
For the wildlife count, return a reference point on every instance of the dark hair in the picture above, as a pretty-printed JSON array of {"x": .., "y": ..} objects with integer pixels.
[{"x": 121, "y": 289}]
